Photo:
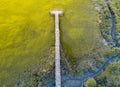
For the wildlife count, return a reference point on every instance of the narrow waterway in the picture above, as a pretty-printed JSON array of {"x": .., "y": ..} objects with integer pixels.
[
  {"x": 114, "y": 39},
  {"x": 78, "y": 81}
]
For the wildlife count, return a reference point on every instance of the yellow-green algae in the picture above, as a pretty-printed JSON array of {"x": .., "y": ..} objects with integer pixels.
[{"x": 27, "y": 34}]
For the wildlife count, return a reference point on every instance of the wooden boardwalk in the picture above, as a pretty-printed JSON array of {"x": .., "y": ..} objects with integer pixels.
[{"x": 56, "y": 13}]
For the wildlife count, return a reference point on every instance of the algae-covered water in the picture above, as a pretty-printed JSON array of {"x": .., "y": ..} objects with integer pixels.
[{"x": 27, "y": 36}]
